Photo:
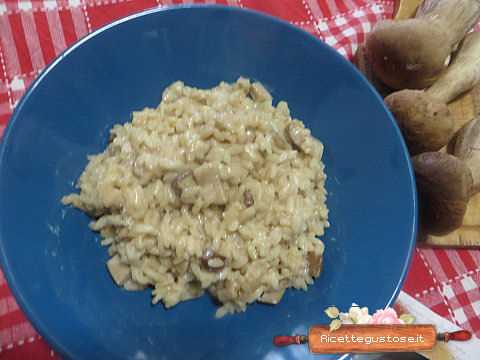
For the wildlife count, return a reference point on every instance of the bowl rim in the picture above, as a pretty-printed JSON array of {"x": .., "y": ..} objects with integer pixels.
[{"x": 5, "y": 140}]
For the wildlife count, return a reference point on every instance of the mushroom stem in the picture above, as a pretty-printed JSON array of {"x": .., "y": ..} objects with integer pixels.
[{"x": 463, "y": 73}]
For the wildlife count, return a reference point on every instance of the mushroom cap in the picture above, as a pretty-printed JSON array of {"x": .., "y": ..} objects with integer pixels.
[
  {"x": 408, "y": 54},
  {"x": 444, "y": 184},
  {"x": 426, "y": 125}
]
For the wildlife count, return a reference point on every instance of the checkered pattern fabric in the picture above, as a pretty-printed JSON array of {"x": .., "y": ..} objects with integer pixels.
[
  {"x": 448, "y": 282},
  {"x": 34, "y": 32}
]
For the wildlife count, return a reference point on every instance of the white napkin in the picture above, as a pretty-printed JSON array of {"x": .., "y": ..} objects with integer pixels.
[
  {"x": 461, "y": 350},
  {"x": 467, "y": 350}
]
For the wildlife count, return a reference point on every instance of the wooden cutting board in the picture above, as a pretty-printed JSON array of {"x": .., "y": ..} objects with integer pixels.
[{"x": 464, "y": 109}]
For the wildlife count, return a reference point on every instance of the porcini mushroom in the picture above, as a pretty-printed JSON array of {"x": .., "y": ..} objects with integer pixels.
[
  {"x": 412, "y": 53},
  {"x": 423, "y": 116},
  {"x": 444, "y": 185},
  {"x": 447, "y": 181},
  {"x": 426, "y": 125},
  {"x": 466, "y": 146}
]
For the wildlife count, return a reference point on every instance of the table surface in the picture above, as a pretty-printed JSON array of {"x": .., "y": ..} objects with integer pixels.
[{"x": 34, "y": 32}]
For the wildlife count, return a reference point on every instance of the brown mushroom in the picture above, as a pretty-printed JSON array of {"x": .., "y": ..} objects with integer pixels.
[
  {"x": 423, "y": 116},
  {"x": 444, "y": 185},
  {"x": 315, "y": 262},
  {"x": 447, "y": 181},
  {"x": 466, "y": 146},
  {"x": 426, "y": 125},
  {"x": 412, "y": 53}
]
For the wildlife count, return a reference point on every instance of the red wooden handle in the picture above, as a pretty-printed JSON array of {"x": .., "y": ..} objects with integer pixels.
[
  {"x": 289, "y": 340},
  {"x": 461, "y": 335}
]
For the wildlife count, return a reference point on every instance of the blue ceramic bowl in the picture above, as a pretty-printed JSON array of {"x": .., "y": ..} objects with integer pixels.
[{"x": 55, "y": 264}]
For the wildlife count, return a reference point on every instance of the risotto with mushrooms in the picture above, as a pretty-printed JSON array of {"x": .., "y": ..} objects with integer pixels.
[{"x": 214, "y": 190}]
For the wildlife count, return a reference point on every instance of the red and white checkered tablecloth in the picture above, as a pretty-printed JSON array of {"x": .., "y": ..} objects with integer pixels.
[{"x": 34, "y": 32}]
